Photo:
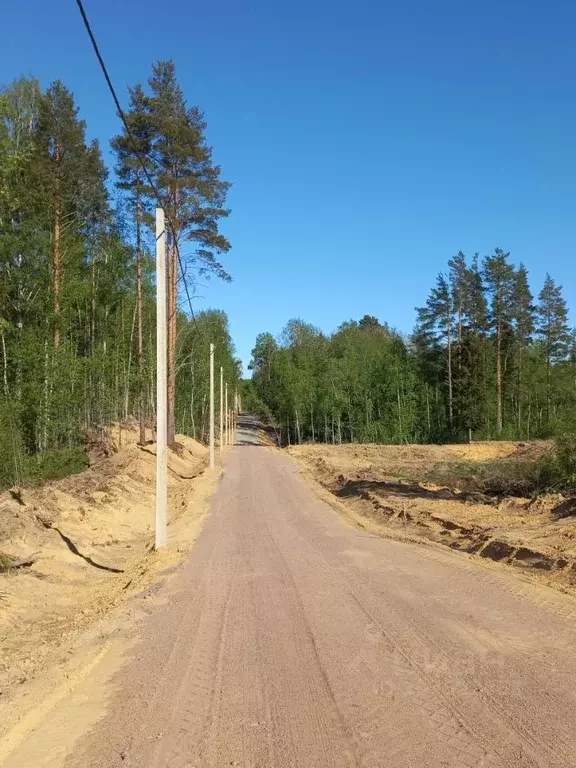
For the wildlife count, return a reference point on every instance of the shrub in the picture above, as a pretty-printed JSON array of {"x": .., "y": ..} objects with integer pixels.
[{"x": 558, "y": 470}]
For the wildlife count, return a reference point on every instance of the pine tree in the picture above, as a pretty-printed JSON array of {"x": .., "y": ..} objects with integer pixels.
[
  {"x": 553, "y": 330},
  {"x": 458, "y": 274},
  {"x": 476, "y": 321},
  {"x": 132, "y": 151},
  {"x": 70, "y": 296},
  {"x": 20, "y": 266},
  {"x": 436, "y": 319},
  {"x": 194, "y": 193},
  {"x": 60, "y": 155},
  {"x": 499, "y": 281},
  {"x": 522, "y": 314}
]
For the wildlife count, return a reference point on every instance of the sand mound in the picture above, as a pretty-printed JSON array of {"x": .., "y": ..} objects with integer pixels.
[
  {"x": 483, "y": 451},
  {"x": 93, "y": 533}
]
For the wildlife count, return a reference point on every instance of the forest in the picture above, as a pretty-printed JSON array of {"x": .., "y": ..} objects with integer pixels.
[
  {"x": 77, "y": 304},
  {"x": 487, "y": 359}
]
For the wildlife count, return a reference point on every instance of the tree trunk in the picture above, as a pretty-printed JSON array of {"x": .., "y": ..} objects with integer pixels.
[
  {"x": 298, "y": 427},
  {"x": 56, "y": 266},
  {"x": 45, "y": 420},
  {"x": 92, "y": 340},
  {"x": 350, "y": 420},
  {"x": 498, "y": 378},
  {"x": 192, "y": 394},
  {"x": 548, "y": 383},
  {"x": 450, "y": 398},
  {"x": 519, "y": 384},
  {"x": 312, "y": 421},
  {"x": 171, "y": 316},
  {"x": 4, "y": 364},
  {"x": 172, "y": 354},
  {"x": 128, "y": 368},
  {"x": 142, "y": 430}
]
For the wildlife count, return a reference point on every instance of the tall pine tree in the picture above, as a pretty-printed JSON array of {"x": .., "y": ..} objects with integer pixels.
[
  {"x": 437, "y": 319},
  {"x": 133, "y": 152},
  {"x": 553, "y": 331},
  {"x": 499, "y": 281},
  {"x": 522, "y": 315},
  {"x": 195, "y": 195}
]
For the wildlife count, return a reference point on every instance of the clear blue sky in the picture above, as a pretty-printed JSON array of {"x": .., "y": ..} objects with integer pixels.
[{"x": 367, "y": 142}]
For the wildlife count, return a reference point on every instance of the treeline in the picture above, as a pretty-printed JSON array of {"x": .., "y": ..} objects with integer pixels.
[
  {"x": 487, "y": 360},
  {"x": 77, "y": 310}
]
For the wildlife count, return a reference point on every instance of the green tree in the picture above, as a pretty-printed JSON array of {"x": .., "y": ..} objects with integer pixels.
[
  {"x": 436, "y": 321},
  {"x": 193, "y": 192},
  {"x": 522, "y": 315},
  {"x": 553, "y": 330},
  {"x": 498, "y": 276},
  {"x": 132, "y": 149},
  {"x": 71, "y": 291}
]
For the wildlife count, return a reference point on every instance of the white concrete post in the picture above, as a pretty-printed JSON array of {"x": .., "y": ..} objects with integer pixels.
[
  {"x": 161, "y": 384},
  {"x": 211, "y": 405}
]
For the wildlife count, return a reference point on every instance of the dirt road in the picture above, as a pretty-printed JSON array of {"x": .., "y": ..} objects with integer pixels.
[{"x": 290, "y": 638}]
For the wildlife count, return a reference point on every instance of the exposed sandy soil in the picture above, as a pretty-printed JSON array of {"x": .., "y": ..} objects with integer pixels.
[
  {"x": 93, "y": 535},
  {"x": 292, "y": 640},
  {"x": 388, "y": 486},
  {"x": 289, "y": 639}
]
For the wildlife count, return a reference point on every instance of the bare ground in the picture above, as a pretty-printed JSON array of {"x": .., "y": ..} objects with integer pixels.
[
  {"x": 290, "y": 638},
  {"x": 389, "y": 487},
  {"x": 91, "y": 535}
]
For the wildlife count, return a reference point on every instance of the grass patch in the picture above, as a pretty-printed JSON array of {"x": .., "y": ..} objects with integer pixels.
[
  {"x": 50, "y": 465},
  {"x": 520, "y": 476}
]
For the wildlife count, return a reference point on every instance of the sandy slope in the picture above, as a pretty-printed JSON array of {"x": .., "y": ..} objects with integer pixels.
[
  {"x": 386, "y": 485},
  {"x": 93, "y": 533}
]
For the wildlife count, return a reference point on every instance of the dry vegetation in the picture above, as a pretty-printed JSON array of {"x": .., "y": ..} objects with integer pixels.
[
  {"x": 88, "y": 542},
  {"x": 463, "y": 496}
]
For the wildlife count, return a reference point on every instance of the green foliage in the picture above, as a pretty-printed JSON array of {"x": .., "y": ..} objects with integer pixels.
[
  {"x": 358, "y": 384},
  {"x": 558, "y": 470},
  {"x": 193, "y": 373},
  {"x": 68, "y": 289},
  {"x": 184, "y": 171},
  {"x": 505, "y": 382},
  {"x": 482, "y": 361},
  {"x": 55, "y": 464}
]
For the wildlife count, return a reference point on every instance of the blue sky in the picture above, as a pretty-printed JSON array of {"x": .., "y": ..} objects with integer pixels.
[{"x": 367, "y": 142}]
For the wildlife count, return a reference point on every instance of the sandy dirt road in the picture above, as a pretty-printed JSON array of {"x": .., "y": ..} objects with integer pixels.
[{"x": 291, "y": 639}]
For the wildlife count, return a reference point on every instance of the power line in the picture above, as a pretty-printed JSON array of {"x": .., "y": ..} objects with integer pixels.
[{"x": 139, "y": 157}]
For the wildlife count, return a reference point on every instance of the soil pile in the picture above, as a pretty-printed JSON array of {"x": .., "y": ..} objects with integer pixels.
[
  {"x": 90, "y": 537},
  {"x": 391, "y": 486}
]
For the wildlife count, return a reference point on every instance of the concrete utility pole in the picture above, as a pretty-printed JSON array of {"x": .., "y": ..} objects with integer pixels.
[
  {"x": 161, "y": 384},
  {"x": 221, "y": 409},
  {"x": 211, "y": 405},
  {"x": 227, "y": 435}
]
